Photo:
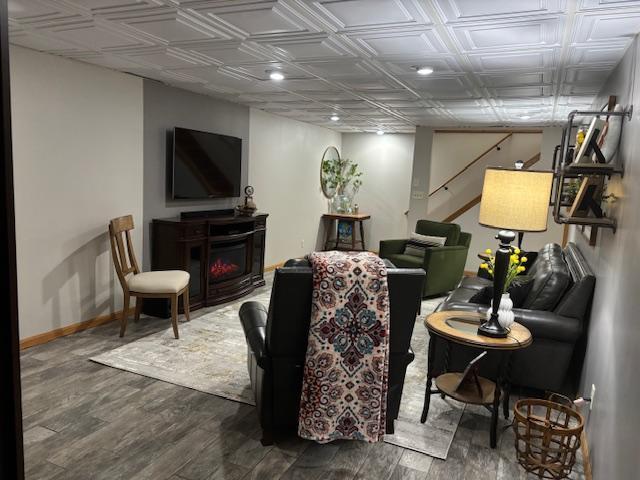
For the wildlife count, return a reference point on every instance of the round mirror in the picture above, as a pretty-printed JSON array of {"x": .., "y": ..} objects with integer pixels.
[{"x": 328, "y": 164}]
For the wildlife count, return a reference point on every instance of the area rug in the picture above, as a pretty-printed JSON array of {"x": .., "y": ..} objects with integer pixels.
[{"x": 211, "y": 357}]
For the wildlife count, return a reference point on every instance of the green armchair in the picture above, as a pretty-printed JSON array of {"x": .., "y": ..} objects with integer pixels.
[{"x": 444, "y": 265}]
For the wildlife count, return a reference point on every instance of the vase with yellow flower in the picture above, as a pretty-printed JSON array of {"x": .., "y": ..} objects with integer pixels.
[{"x": 506, "y": 317}]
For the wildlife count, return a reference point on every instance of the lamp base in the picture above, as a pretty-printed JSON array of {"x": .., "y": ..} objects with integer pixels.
[{"x": 491, "y": 328}]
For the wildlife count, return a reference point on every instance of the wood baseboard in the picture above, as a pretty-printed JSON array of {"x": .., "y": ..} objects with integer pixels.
[
  {"x": 271, "y": 268},
  {"x": 70, "y": 329}
]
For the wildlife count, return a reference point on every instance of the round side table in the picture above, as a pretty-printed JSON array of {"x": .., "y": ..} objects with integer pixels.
[{"x": 462, "y": 328}]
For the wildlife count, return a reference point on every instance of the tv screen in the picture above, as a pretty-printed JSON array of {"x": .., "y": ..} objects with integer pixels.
[{"x": 205, "y": 165}]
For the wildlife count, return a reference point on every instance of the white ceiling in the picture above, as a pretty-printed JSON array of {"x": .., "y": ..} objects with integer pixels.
[{"x": 495, "y": 60}]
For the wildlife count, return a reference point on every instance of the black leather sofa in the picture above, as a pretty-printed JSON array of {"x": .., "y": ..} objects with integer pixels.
[
  {"x": 277, "y": 343},
  {"x": 555, "y": 311}
]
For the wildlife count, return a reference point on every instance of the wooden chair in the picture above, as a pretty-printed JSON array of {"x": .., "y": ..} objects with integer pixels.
[{"x": 160, "y": 284}]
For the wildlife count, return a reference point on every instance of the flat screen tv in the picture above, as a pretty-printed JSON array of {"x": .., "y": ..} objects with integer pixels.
[{"x": 205, "y": 165}]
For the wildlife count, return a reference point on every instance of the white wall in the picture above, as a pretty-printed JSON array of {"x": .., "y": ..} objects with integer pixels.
[
  {"x": 386, "y": 162},
  {"x": 452, "y": 152},
  {"x": 284, "y": 169},
  {"x": 521, "y": 146},
  {"x": 613, "y": 355},
  {"x": 77, "y": 147}
]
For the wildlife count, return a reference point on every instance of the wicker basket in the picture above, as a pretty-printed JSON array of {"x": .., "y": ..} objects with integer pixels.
[{"x": 547, "y": 436}]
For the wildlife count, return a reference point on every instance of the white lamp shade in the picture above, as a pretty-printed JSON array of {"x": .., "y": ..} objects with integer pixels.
[{"x": 516, "y": 199}]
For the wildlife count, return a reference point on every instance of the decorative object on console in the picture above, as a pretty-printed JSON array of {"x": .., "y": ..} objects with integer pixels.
[
  {"x": 511, "y": 200},
  {"x": 167, "y": 284},
  {"x": 248, "y": 207}
]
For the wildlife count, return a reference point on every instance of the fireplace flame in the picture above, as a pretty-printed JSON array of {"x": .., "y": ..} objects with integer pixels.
[{"x": 220, "y": 268}]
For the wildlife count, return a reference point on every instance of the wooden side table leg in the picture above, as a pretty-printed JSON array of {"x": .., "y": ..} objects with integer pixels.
[
  {"x": 493, "y": 434},
  {"x": 500, "y": 383},
  {"x": 364, "y": 248},
  {"x": 430, "y": 365},
  {"x": 353, "y": 235},
  {"x": 506, "y": 387}
]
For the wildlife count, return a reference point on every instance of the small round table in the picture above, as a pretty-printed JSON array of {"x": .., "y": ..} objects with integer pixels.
[{"x": 462, "y": 328}]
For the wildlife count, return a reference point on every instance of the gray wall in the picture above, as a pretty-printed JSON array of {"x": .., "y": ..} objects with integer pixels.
[
  {"x": 168, "y": 107},
  {"x": 613, "y": 351}
]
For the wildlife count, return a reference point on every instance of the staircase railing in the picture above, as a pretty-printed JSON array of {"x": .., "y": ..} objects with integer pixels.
[
  {"x": 475, "y": 201},
  {"x": 472, "y": 162}
]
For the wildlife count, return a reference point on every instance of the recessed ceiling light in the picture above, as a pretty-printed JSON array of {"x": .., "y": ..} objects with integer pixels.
[
  {"x": 525, "y": 117},
  {"x": 424, "y": 70},
  {"x": 335, "y": 118},
  {"x": 380, "y": 132},
  {"x": 277, "y": 76}
]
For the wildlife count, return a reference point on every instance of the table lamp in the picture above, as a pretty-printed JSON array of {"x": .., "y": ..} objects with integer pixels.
[{"x": 512, "y": 199}]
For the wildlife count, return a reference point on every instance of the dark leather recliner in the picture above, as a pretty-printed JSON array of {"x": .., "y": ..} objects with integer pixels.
[
  {"x": 277, "y": 343},
  {"x": 555, "y": 311}
]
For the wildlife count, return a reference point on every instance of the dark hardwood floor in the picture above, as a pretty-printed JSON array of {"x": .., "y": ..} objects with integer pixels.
[{"x": 85, "y": 421}]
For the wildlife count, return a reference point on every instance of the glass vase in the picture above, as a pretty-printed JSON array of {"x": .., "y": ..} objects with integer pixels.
[{"x": 342, "y": 203}]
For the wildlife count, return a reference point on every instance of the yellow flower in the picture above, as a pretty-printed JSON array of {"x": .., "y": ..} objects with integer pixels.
[
  {"x": 490, "y": 272},
  {"x": 523, "y": 260},
  {"x": 521, "y": 269},
  {"x": 516, "y": 250},
  {"x": 484, "y": 266},
  {"x": 514, "y": 258},
  {"x": 488, "y": 251}
]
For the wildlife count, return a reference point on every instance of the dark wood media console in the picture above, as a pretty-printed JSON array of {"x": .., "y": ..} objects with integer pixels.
[{"x": 223, "y": 252}]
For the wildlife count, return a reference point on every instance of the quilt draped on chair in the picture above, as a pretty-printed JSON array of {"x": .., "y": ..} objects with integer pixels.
[{"x": 345, "y": 380}]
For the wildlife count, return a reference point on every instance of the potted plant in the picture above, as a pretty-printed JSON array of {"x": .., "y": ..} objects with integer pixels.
[
  {"x": 342, "y": 176},
  {"x": 505, "y": 311}
]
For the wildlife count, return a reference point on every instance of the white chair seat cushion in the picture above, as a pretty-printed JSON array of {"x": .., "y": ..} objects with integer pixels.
[{"x": 165, "y": 281}]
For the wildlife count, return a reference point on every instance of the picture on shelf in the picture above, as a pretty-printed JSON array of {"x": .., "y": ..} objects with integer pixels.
[
  {"x": 588, "y": 197},
  {"x": 586, "y": 147},
  {"x": 345, "y": 232}
]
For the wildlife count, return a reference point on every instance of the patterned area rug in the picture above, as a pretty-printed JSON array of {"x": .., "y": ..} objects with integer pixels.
[{"x": 211, "y": 357}]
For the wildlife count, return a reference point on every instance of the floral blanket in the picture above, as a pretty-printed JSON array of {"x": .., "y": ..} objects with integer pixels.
[{"x": 344, "y": 390}]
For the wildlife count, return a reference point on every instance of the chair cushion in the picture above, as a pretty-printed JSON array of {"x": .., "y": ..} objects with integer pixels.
[
  {"x": 418, "y": 243},
  {"x": 165, "y": 281},
  {"x": 402, "y": 260},
  {"x": 440, "y": 229}
]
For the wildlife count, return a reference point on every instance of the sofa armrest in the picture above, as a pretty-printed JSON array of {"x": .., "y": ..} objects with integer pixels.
[
  {"x": 449, "y": 260},
  {"x": 253, "y": 317},
  {"x": 391, "y": 247},
  {"x": 541, "y": 324}
]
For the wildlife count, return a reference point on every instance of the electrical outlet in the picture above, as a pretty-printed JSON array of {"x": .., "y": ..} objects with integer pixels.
[
  {"x": 301, "y": 243},
  {"x": 593, "y": 396}
]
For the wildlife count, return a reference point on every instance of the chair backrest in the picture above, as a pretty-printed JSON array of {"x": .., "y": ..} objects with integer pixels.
[
  {"x": 439, "y": 229},
  {"x": 290, "y": 309},
  {"x": 122, "y": 252},
  {"x": 465, "y": 239}
]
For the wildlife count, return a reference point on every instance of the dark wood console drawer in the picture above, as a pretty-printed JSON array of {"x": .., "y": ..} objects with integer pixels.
[{"x": 193, "y": 231}]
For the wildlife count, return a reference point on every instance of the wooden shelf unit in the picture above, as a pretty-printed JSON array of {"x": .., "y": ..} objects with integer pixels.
[{"x": 564, "y": 169}]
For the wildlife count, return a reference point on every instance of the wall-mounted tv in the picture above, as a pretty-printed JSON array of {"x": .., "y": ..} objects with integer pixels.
[{"x": 205, "y": 165}]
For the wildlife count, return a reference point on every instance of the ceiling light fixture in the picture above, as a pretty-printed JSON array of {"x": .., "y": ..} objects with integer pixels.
[
  {"x": 380, "y": 132},
  {"x": 424, "y": 70},
  {"x": 525, "y": 117},
  {"x": 277, "y": 76},
  {"x": 335, "y": 118}
]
